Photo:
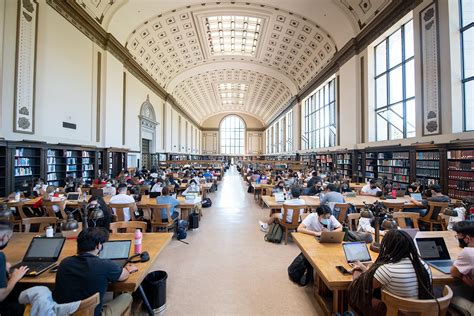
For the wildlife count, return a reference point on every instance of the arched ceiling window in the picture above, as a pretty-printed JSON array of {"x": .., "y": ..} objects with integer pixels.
[{"x": 232, "y": 135}]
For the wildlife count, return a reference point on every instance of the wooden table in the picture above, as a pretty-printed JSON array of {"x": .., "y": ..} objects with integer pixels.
[
  {"x": 257, "y": 190},
  {"x": 325, "y": 257}
]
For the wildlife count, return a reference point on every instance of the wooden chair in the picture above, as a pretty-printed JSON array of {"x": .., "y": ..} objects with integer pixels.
[
  {"x": 401, "y": 218},
  {"x": 19, "y": 214},
  {"x": 127, "y": 227},
  {"x": 343, "y": 207},
  {"x": 156, "y": 220},
  {"x": 394, "y": 206},
  {"x": 396, "y": 304},
  {"x": 266, "y": 191},
  {"x": 87, "y": 306},
  {"x": 43, "y": 222},
  {"x": 432, "y": 217},
  {"x": 294, "y": 219},
  {"x": 49, "y": 207},
  {"x": 353, "y": 220},
  {"x": 144, "y": 189},
  {"x": 118, "y": 208}
]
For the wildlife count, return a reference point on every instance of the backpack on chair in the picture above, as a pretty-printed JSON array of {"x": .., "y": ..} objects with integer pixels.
[{"x": 275, "y": 234}]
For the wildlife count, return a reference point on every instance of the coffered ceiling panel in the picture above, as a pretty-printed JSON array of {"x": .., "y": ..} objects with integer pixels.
[
  {"x": 236, "y": 90},
  {"x": 362, "y": 12}
]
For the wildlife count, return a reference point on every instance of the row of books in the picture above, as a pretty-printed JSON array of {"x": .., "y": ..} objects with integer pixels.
[
  {"x": 460, "y": 175},
  {"x": 401, "y": 171},
  {"x": 427, "y": 164},
  {"x": 395, "y": 177},
  {"x": 23, "y": 171},
  {"x": 394, "y": 163},
  {"x": 459, "y": 194},
  {"x": 22, "y": 162},
  {"x": 461, "y": 165},
  {"x": 461, "y": 154},
  {"x": 427, "y": 172},
  {"x": 424, "y": 155},
  {"x": 461, "y": 185}
]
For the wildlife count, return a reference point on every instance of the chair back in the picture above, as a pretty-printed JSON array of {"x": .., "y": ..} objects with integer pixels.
[
  {"x": 156, "y": 220},
  {"x": 118, "y": 209},
  {"x": 343, "y": 207},
  {"x": 353, "y": 220},
  {"x": 127, "y": 227},
  {"x": 49, "y": 207},
  {"x": 432, "y": 217},
  {"x": 18, "y": 206},
  {"x": 87, "y": 306},
  {"x": 396, "y": 304},
  {"x": 145, "y": 189},
  {"x": 401, "y": 217},
  {"x": 42, "y": 222},
  {"x": 267, "y": 189},
  {"x": 295, "y": 217},
  {"x": 394, "y": 206}
]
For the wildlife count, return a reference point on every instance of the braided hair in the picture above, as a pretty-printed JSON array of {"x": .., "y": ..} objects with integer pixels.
[{"x": 396, "y": 245}]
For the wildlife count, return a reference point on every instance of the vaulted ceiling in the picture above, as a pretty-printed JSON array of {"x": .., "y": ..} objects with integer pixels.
[{"x": 244, "y": 57}]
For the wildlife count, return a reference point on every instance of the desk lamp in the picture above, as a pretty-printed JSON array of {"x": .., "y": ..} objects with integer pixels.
[
  {"x": 95, "y": 214},
  {"x": 378, "y": 211}
]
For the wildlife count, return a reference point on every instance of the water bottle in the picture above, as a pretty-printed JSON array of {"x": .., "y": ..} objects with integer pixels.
[
  {"x": 138, "y": 241},
  {"x": 17, "y": 196},
  {"x": 49, "y": 231}
]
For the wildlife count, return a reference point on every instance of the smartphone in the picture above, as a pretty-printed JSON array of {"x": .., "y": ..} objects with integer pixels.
[
  {"x": 342, "y": 270},
  {"x": 54, "y": 269}
]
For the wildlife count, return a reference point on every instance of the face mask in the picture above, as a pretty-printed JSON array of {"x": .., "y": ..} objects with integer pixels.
[
  {"x": 462, "y": 243},
  {"x": 108, "y": 185},
  {"x": 325, "y": 222}
]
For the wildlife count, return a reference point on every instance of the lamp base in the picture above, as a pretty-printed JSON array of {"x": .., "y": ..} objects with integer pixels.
[{"x": 375, "y": 247}]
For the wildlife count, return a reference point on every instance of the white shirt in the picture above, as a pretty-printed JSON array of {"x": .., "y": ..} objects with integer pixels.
[
  {"x": 465, "y": 262},
  {"x": 191, "y": 188},
  {"x": 368, "y": 190},
  {"x": 312, "y": 223},
  {"x": 122, "y": 199},
  {"x": 157, "y": 187},
  {"x": 364, "y": 225},
  {"x": 399, "y": 278},
  {"x": 289, "y": 214},
  {"x": 109, "y": 191}
]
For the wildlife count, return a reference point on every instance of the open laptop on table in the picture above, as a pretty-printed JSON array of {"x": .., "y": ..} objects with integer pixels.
[
  {"x": 356, "y": 251},
  {"x": 332, "y": 237},
  {"x": 116, "y": 250},
  {"x": 73, "y": 196},
  {"x": 41, "y": 255},
  {"x": 416, "y": 196},
  {"x": 434, "y": 251},
  {"x": 279, "y": 197}
]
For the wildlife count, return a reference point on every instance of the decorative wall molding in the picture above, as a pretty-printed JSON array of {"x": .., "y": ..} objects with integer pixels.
[
  {"x": 430, "y": 79},
  {"x": 25, "y": 67}
]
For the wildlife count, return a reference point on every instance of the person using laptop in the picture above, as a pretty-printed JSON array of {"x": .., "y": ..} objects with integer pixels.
[
  {"x": 8, "y": 296},
  {"x": 398, "y": 269},
  {"x": 321, "y": 221},
  {"x": 85, "y": 274},
  {"x": 332, "y": 197},
  {"x": 109, "y": 190},
  {"x": 295, "y": 200},
  {"x": 192, "y": 188},
  {"x": 121, "y": 198},
  {"x": 370, "y": 188},
  {"x": 165, "y": 198},
  {"x": 436, "y": 196},
  {"x": 463, "y": 268}
]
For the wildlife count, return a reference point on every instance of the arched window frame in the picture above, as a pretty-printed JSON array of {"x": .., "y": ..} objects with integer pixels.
[{"x": 232, "y": 139}]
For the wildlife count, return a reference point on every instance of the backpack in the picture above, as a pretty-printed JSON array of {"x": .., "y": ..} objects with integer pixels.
[
  {"x": 300, "y": 270},
  {"x": 275, "y": 234},
  {"x": 206, "y": 203},
  {"x": 250, "y": 189},
  {"x": 181, "y": 229}
]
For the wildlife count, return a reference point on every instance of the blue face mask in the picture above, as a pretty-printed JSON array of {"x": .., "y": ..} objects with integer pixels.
[{"x": 325, "y": 222}]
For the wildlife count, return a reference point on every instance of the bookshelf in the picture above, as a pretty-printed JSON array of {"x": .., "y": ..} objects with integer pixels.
[
  {"x": 344, "y": 164},
  {"x": 87, "y": 166},
  {"x": 370, "y": 166},
  {"x": 395, "y": 166},
  {"x": 116, "y": 161},
  {"x": 100, "y": 162},
  {"x": 55, "y": 167},
  {"x": 3, "y": 170},
  {"x": 73, "y": 163},
  {"x": 359, "y": 165},
  {"x": 428, "y": 166},
  {"x": 26, "y": 167},
  {"x": 325, "y": 163},
  {"x": 460, "y": 173}
]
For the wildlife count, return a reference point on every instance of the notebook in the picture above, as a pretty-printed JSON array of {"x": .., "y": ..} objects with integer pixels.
[
  {"x": 116, "y": 250},
  {"x": 41, "y": 255},
  {"x": 356, "y": 251},
  {"x": 332, "y": 237},
  {"x": 434, "y": 251}
]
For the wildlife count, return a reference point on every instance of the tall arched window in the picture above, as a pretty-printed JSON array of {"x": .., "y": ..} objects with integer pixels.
[{"x": 232, "y": 134}]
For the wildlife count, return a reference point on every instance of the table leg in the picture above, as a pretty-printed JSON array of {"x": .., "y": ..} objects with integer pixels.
[
  {"x": 338, "y": 304},
  {"x": 145, "y": 301}
]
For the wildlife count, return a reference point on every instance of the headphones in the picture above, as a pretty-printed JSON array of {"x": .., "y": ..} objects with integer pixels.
[{"x": 141, "y": 257}]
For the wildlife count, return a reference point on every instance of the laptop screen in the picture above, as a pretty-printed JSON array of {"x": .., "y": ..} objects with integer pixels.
[
  {"x": 433, "y": 248},
  {"x": 356, "y": 251},
  {"x": 73, "y": 196},
  {"x": 115, "y": 249},
  {"x": 416, "y": 196},
  {"x": 44, "y": 249}
]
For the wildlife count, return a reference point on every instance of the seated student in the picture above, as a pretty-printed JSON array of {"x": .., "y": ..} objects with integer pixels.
[
  {"x": 295, "y": 193},
  {"x": 157, "y": 186},
  {"x": 463, "y": 268},
  {"x": 398, "y": 269},
  {"x": 192, "y": 188},
  {"x": 313, "y": 179},
  {"x": 109, "y": 190},
  {"x": 85, "y": 274},
  {"x": 321, "y": 221},
  {"x": 8, "y": 298},
  {"x": 279, "y": 188},
  {"x": 370, "y": 188},
  {"x": 121, "y": 198},
  {"x": 331, "y": 197},
  {"x": 208, "y": 175},
  {"x": 292, "y": 180},
  {"x": 165, "y": 198},
  {"x": 316, "y": 188},
  {"x": 436, "y": 196}
]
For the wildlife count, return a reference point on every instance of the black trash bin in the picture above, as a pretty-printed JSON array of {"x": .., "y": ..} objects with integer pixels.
[{"x": 154, "y": 286}]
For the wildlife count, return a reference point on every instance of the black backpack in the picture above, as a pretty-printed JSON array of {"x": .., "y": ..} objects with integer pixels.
[
  {"x": 193, "y": 220},
  {"x": 300, "y": 270},
  {"x": 206, "y": 203}
]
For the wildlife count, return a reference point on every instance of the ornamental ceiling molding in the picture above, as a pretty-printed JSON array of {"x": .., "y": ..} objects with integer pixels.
[
  {"x": 101, "y": 10},
  {"x": 175, "y": 41},
  {"x": 362, "y": 12}
]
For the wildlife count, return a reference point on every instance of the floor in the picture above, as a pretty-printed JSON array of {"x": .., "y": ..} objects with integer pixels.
[{"x": 227, "y": 268}]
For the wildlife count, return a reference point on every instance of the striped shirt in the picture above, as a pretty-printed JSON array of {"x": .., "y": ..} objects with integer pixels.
[{"x": 400, "y": 278}]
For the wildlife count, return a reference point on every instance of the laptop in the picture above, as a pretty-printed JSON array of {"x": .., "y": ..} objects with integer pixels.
[
  {"x": 42, "y": 254},
  {"x": 416, "y": 196},
  {"x": 356, "y": 251},
  {"x": 97, "y": 192},
  {"x": 434, "y": 251},
  {"x": 401, "y": 192},
  {"x": 73, "y": 196},
  {"x": 411, "y": 231},
  {"x": 116, "y": 250},
  {"x": 332, "y": 237},
  {"x": 279, "y": 197}
]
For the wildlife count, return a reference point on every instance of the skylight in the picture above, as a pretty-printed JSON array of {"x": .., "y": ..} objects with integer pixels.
[
  {"x": 232, "y": 93},
  {"x": 233, "y": 35}
]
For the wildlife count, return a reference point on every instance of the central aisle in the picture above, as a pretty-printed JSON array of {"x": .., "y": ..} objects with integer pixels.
[{"x": 227, "y": 268}]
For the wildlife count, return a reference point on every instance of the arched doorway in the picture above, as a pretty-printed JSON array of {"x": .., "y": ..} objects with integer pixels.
[{"x": 148, "y": 125}]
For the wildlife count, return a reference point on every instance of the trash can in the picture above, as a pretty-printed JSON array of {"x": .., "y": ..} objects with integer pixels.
[{"x": 154, "y": 286}]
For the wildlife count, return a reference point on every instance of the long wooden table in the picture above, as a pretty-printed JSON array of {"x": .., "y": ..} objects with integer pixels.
[{"x": 324, "y": 257}]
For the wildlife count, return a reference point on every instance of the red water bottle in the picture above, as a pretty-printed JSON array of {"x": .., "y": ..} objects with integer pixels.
[{"x": 138, "y": 241}]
